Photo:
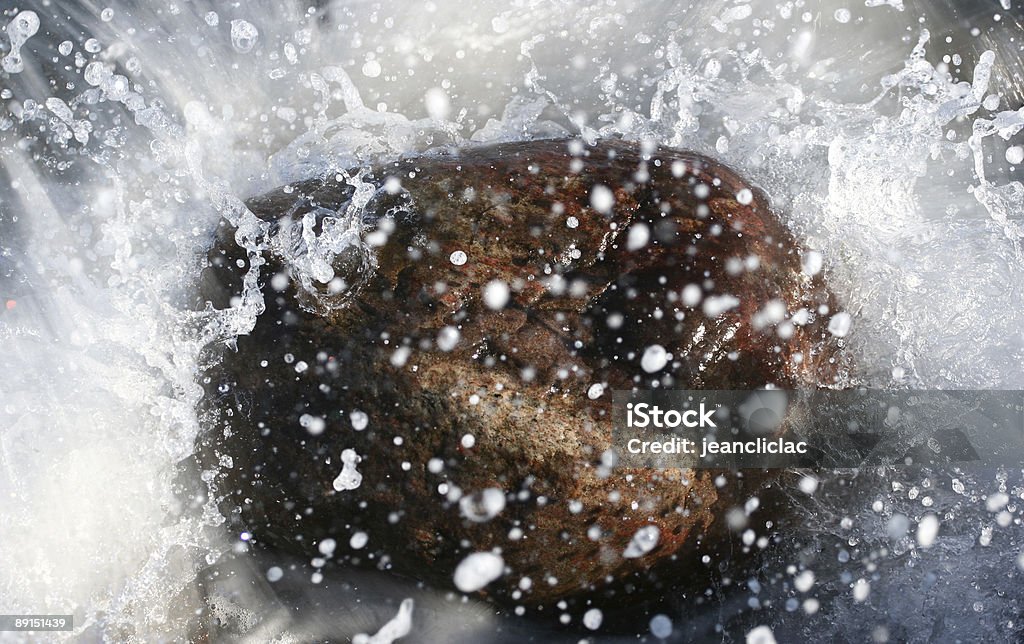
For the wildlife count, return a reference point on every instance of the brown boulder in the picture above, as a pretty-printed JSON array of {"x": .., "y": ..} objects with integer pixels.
[{"x": 493, "y": 296}]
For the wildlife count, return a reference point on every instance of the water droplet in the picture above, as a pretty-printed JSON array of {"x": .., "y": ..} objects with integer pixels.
[
  {"x": 602, "y": 199},
  {"x": 927, "y": 530},
  {"x": 359, "y": 540},
  {"x": 592, "y": 618},
  {"x": 764, "y": 634},
  {"x": 861, "y": 590},
  {"x": 639, "y": 235},
  {"x": 804, "y": 581},
  {"x": 499, "y": 25},
  {"x": 22, "y": 27},
  {"x": 661, "y": 626},
  {"x": 371, "y": 69},
  {"x": 359, "y": 420},
  {"x": 315, "y": 425},
  {"x": 349, "y": 478},
  {"x": 482, "y": 506},
  {"x": 654, "y": 359},
  {"x": 243, "y": 35},
  {"x": 644, "y": 540},
  {"x": 808, "y": 484},
  {"x": 812, "y": 262},
  {"x": 477, "y": 570},
  {"x": 496, "y": 295},
  {"x": 447, "y": 338},
  {"x": 839, "y": 325},
  {"x": 96, "y": 72},
  {"x": 437, "y": 103},
  {"x": 327, "y": 547}
]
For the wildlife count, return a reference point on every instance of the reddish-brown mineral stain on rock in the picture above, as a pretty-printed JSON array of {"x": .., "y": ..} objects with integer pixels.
[{"x": 688, "y": 257}]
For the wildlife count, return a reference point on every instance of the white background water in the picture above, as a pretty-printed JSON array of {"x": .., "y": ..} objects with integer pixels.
[{"x": 888, "y": 140}]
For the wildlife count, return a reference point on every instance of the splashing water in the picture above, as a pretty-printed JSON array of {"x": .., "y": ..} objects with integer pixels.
[
  {"x": 127, "y": 134},
  {"x": 22, "y": 27}
]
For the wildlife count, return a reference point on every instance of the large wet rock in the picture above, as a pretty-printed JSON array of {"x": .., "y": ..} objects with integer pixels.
[{"x": 463, "y": 338}]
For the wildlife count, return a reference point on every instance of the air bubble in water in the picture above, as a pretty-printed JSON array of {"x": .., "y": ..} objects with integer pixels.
[
  {"x": 458, "y": 258},
  {"x": 1015, "y": 154},
  {"x": 243, "y": 35},
  {"x": 107, "y": 15},
  {"x": 842, "y": 15}
]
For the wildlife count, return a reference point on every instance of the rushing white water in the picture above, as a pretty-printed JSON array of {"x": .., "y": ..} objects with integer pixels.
[{"x": 126, "y": 132}]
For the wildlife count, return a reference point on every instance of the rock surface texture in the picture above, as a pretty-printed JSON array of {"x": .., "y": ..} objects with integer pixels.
[{"x": 463, "y": 340}]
